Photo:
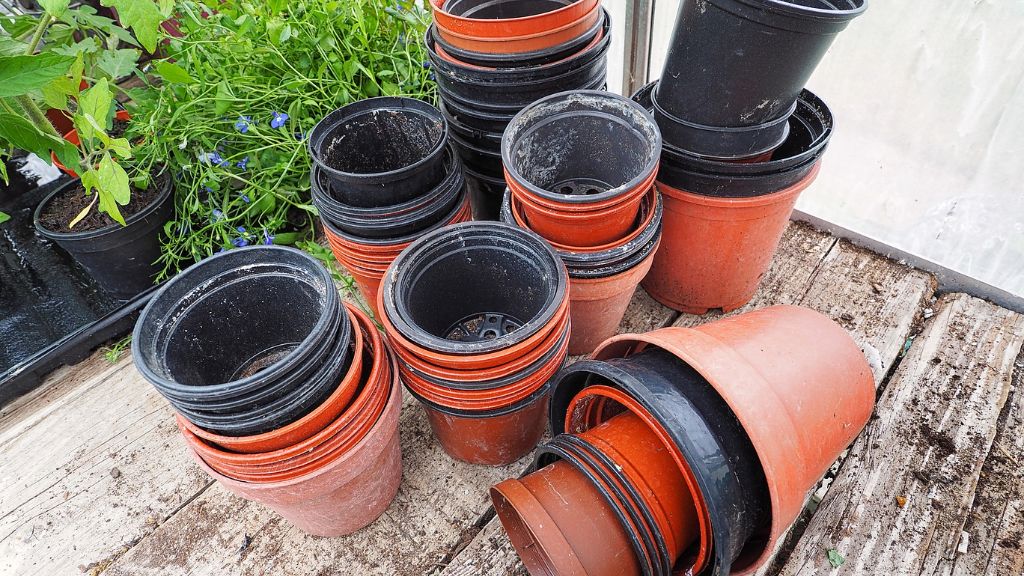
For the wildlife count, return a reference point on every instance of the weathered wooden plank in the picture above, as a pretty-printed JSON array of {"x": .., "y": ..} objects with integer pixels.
[
  {"x": 439, "y": 500},
  {"x": 489, "y": 553},
  {"x": 904, "y": 494}
]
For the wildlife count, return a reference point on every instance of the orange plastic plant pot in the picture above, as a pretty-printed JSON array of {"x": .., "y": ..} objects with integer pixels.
[
  {"x": 309, "y": 424},
  {"x": 343, "y": 496},
  {"x": 511, "y": 27},
  {"x": 441, "y": 52},
  {"x": 798, "y": 384},
  {"x": 559, "y": 523},
  {"x": 714, "y": 250},
  {"x": 597, "y": 305},
  {"x": 491, "y": 440},
  {"x": 583, "y": 229},
  {"x": 526, "y": 43}
]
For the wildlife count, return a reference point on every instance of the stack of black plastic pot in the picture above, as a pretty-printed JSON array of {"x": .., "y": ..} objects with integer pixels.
[
  {"x": 384, "y": 173},
  {"x": 742, "y": 138},
  {"x": 492, "y": 58}
]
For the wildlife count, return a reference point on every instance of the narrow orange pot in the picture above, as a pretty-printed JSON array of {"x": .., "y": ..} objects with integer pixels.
[
  {"x": 715, "y": 250},
  {"x": 597, "y": 305},
  {"x": 525, "y": 43},
  {"x": 511, "y": 27},
  {"x": 797, "y": 382}
]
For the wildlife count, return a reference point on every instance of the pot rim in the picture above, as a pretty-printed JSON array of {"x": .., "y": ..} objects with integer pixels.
[
  {"x": 543, "y": 39},
  {"x": 363, "y": 245},
  {"x": 773, "y": 197},
  {"x": 535, "y": 396},
  {"x": 542, "y": 21}
]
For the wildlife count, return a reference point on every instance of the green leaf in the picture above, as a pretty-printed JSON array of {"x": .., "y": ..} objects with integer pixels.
[
  {"x": 834, "y": 558},
  {"x": 20, "y": 133},
  {"x": 22, "y": 74},
  {"x": 118, "y": 63},
  {"x": 94, "y": 108},
  {"x": 11, "y": 47},
  {"x": 173, "y": 73},
  {"x": 143, "y": 17},
  {"x": 54, "y": 8},
  {"x": 54, "y": 95},
  {"x": 121, "y": 147},
  {"x": 4, "y": 217},
  {"x": 224, "y": 97},
  {"x": 113, "y": 180}
]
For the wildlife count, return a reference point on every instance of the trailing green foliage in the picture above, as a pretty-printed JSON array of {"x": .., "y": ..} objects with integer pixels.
[{"x": 241, "y": 90}]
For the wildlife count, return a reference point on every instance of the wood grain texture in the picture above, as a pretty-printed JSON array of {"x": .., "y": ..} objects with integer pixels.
[{"x": 903, "y": 497}]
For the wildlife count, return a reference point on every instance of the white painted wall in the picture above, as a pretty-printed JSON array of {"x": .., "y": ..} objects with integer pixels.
[{"x": 928, "y": 150}]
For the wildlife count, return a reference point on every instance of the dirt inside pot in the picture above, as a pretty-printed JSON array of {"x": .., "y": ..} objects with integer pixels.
[
  {"x": 68, "y": 204},
  {"x": 478, "y": 327},
  {"x": 502, "y": 9},
  {"x": 382, "y": 141}
]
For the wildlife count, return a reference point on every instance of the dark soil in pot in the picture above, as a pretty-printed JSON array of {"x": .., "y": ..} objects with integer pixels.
[{"x": 66, "y": 205}]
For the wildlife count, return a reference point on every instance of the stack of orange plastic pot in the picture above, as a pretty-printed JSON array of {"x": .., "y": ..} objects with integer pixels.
[
  {"x": 478, "y": 316},
  {"x": 384, "y": 174},
  {"x": 284, "y": 395},
  {"x": 491, "y": 59},
  {"x": 743, "y": 139},
  {"x": 580, "y": 168},
  {"x": 688, "y": 450}
]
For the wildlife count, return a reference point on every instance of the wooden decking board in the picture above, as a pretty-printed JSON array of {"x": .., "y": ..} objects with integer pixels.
[{"x": 932, "y": 432}]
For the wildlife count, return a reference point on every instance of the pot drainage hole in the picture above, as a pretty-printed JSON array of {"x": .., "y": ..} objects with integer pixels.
[
  {"x": 263, "y": 359},
  {"x": 482, "y": 327},
  {"x": 581, "y": 187}
]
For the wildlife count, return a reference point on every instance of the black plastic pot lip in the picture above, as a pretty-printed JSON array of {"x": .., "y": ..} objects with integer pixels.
[
  {"x": 398, "y": 313},
  {"x": 596, "y": 81},
  {"x": 456, "y": 108},
  {"x": 718, "y": 494},
  {"x": 835, "y": 17},
  {"x": 607, "y": 262},
  {"x": 332, "y": 304},
  {"x": 721, "y": 142},
  {"x": 384, "y": 215},
  {"x": 330, "y": 226},
  {"x": 446, "y": 8},
  {"x": 165, "y": 192},
  {"x": 459, "y": 128},
  {"x": 370, "y": 106},
  {"x": 480, "y": 385},
  {"x": 522, "y": 59},
  {"x": 643, "y": 542},
  {"x": 536, "y": 396},
  {"x": 400, "y": 225},
  {"x": 536, "y": 111},
  {"x": 484, "y": 178},
  {"x": 460, "y": 142}
]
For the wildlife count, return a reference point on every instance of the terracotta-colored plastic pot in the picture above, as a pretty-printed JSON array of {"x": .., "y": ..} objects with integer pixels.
[
  {"x": 597, "y": 305},
  {"x": 650, "y": 468},
  {"x": 492, "y": 438},
  {"x": 559, "y": 523},
  {"x": 445, "y": 55},
  {"x": 343, "y": 496},
  {"x": 306, "y": 426},
  {"x": 511, "y": 27},
  {"x": 714, "y": 250},
  {"x": 797, "y": 382},
  {"x": 526, "y": 43},
  {"x": 72, "y": 136}
]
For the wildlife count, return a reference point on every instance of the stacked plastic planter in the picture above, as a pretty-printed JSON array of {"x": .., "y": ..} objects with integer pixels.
[
  {"x": 580, "y": 168},
  {"x": 478, "y": 316},
  {"x": 491, "y": 59},
  {"x": 284, "y": 395},
  {"x": 384, "y": 173},
  {"x": 688, "y": 451},
  {"x": 742, "y": 140}
]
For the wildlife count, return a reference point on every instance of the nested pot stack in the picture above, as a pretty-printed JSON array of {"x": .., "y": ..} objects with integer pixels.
[
  {"x": 284, "y": 394},
  {"x": 493, "y": 58},
  {"x": 692, "y": 449},
  {"x": 384, "y": 173},
  {"x": 580, "y": 168},
  {"x": 478, "y": 316}
]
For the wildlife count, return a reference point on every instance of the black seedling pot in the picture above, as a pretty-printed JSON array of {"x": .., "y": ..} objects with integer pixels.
[
  {"x": 485, "y": 139},
  {"x": 469, "y": 117},
  {"x": 241, "y": 331},
  {"x": 581, "y": 140},
  {"x": 612, "y": 261},
  {"x": 122, "y": 259},
  {"x": 398, "y": 220},
  {"x": 380, "y": 151},
  {"x": 463, "y": 271},
  {"x": 502, "y": 9},
  {"x": 486, "y": 193},
  {"x": 510, "y": 89},
  {"x": 711, "y": 439},
  {"x": 481, "y": 160},
  {"x": 810, "y": 128},
  {"x": 743, "y": 63},
  {"x": 520, "y": 59},
  {"x": 722, "y": 143}
]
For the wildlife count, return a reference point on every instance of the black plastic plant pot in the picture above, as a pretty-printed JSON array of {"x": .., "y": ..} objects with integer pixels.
[
  {"x": 581, "y": 147},
  {"x": 380, "y": 151},
  {"x": 810, "y": 129},
  {"x": 612, "y": 261},
  {"x": 444, "y": 220},
  {"x": 482, "y": 120},
  {"x": 480, "y": 160},
  {"x": 520, "y": 59},
  {"x": 470, "y": 270},
  {"x": 122, "y": 259},
  {"x": 505, "y": 90},
  {"x": 722, "y": 143},
  {"x": 486, "y": 193},
  {"x": 749, "y": 59},
  {"x": 393, "y": 221},
  {"x": 241, "y": 329},
  {"x": 485, "y": 139},
  {"x": 707, "y": 433}
]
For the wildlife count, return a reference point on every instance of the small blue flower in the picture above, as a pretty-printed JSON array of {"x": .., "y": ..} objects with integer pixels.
[
  {"x": 244, "y": 197},
  {"x": 267, "y": 238},
  {"x": 243, "y": 163},
  {"x": 217, "y": 214},
  {"x": 221, "y": 250},
  {"x": 239, "y": 242},
  {"x": 207, "y": 189},
  {"x": 278, "y": 120},
  {"x": 213, "y": 158},
  {"x": 241, "y": 229},
  {"x": 426, "y": 64},
  {"x": 242, "y": 124},
  {"x": 431, "y": 76}
]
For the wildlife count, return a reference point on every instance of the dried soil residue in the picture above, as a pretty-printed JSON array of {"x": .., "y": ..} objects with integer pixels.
[{"x": 72, "y": 200}]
